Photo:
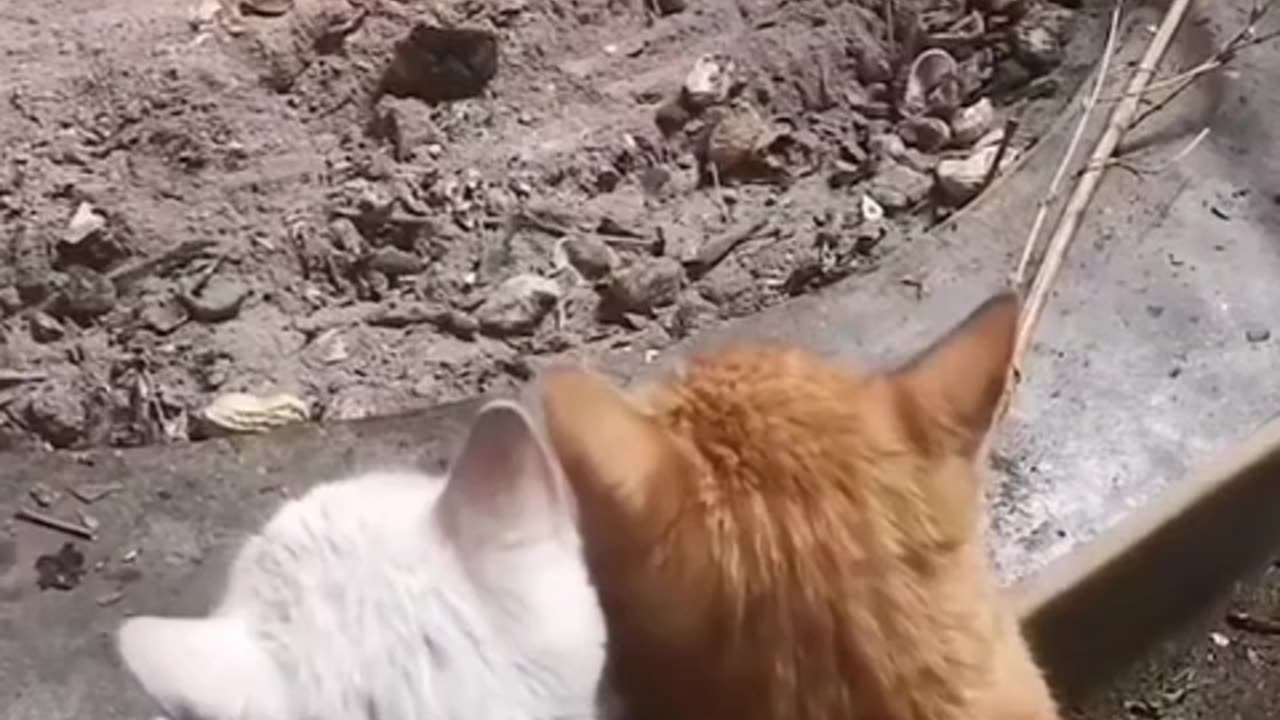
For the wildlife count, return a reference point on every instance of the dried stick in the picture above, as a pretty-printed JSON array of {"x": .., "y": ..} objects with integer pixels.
[
  {"x": 1119, "y": 123},
  {"x": 1042, "y": 214}
]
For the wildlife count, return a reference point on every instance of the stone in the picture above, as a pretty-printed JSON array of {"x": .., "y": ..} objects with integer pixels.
[
  {"x": 86, "y": 294},
  {"x": 928, "y": 134},
  {"x": 439, "y": 64},
  {"x": 220, "y": 300},
  {"x": 670, "y": 7},
  {"x": 708, "y": 82},
  {"x": 693, "y": 313},
  {"x": 406, "y": 123},
  {"x": 394, "y": 262},
  {"x": 898, "y": 187},
  {"x": 1039, "y": 38},
  {"x": 960, "y": 180},
  {"x": 647, "y": 284},
  {"x": 590, "y": 256},
  {"x": 85, "y": 221},
  {"x": 163, "y": 314},
  {"x": 44, "y": 327},
  {"x": 517, "y": 305},
  {"x": 886, "y": 146},
  {"x": 971, "y": 123},
  {"x": 10, "y": 300},
  {"x": 55, "y": 413}
]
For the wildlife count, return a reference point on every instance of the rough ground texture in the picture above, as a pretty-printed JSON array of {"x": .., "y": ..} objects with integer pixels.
[
  {"x": 1226, "y": 669},
  {"x": 347, "y": 203}
]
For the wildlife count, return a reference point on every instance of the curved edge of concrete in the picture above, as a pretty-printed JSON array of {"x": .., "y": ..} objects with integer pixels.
[{"x": 1105, "y": 605}]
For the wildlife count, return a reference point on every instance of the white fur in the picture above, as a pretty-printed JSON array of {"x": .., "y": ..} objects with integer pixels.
[{"x": 398, "y": 596}]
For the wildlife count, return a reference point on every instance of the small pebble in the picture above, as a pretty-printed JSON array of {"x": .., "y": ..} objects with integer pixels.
[{"x": 1257, "y": 335}]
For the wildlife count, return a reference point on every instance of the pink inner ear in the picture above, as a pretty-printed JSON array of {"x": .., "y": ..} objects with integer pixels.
[{"x": 503, "y": 488}]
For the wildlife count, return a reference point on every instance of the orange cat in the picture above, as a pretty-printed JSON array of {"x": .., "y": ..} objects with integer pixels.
[{"x": 777, "y": 538}]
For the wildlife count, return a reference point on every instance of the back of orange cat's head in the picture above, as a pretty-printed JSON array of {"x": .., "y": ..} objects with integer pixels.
[
  {"x": 624, "y": 446},
  {"x": 765, "y": 480}
]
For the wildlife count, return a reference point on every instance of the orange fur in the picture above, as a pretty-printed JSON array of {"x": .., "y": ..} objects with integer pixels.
[{"x": 777, "y": 538}]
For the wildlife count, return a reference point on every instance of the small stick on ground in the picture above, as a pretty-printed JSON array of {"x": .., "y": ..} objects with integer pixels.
[
  {"x": 53, "y": 523},
  {"x": 1010, "y": 127},
  {"x": 1042, "y": 214},
  {"x": 1120, "y": 121},
  {"x": 716, "y": 249},
  {"x": 1244, "y": 38}
]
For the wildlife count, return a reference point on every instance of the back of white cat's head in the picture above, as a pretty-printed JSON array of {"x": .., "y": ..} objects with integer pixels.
[{"x": 397, "y": 596}]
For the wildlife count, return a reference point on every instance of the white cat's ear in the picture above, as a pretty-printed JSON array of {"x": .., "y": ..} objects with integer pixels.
[
  {"x": 504, "y": 487},
  {"x": 206, "y": 668}
]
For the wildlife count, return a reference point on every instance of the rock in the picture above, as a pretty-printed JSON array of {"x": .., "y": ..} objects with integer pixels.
[
  {"x": 647, "y": 284},
  {"x": 220, "y": 301},
  {"x": 737, "y": 145},
  {"x": 32, "y": 277},
  {"x": 971, "y": 123},
  {"x": 1257, "y": 335},
  {"x": 693, "y": 313},
  {"x": 708, "y": 82},
  {"x": 843, "y": 174},
  {"x": 10, "y": 300},
  {"x": 518, "y": 305},
  {"x": 590, "y": 256},
  {"x": 933, "y": 84},
  {"x": 269, "y": 8},
  {"x": 238, "y": 412},
  {"x": 1001, "y": 7},
  {"x": 86, "y": 294},
  {"x": 86, "y": 221},
  {"x": 406, "y": 123},
  {"x": 54, "y": 412},
  {"x": 163, "y": 314},
  {"x": 1039, "y": 39},
  {"x": 886, "y": 146},
  {"x": 872, "y": 62},
  {"x": 393, "y": 262},
  {"x": 898, "y": 187},
  {"x": 928, "y": 134},
  {"x": 439, "y": 64},
  {"x": 44, "y": 327},
  {"x": 670, "y": 7},
  {"x": 671, "y": 117},
  {"x": 961, "y": 179}
]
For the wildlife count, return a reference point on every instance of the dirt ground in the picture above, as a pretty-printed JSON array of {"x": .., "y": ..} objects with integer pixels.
[
  {"x": 1226, "y": 670},
  {"x": 377, "y": 205}
]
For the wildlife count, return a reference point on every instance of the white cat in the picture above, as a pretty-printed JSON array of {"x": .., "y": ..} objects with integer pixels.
[{"x": 398, "y": 596}]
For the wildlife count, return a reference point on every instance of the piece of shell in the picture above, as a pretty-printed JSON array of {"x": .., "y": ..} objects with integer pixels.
[
  {"x": 929, "y": 83},
  {"x": 972, "y": 122},
  {"x": 871, "y": 210},
  {"x": 244, "y": 413}
]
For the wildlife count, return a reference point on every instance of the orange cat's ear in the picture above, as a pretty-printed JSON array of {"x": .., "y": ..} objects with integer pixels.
[
  {"x": 959, "y": 380},
  {"x": 622, "y": 465}
]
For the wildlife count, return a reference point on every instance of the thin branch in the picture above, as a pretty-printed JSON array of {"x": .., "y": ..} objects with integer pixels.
[
  {"x": 1244, "y": 38},
  {"x": 1042, "y": 214},
  {"x": 1059, "y": 243}
]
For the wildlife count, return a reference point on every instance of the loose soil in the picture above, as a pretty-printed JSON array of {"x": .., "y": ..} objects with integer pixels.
[
  {"x": 1225, "y": 669},
  {"x": 375, "y": 205}
]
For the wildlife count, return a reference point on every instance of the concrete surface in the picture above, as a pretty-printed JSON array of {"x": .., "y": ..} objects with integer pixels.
[{"x": 1143, "y": 370}]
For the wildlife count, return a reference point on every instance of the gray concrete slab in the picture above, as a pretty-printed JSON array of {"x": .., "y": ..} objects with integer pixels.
[{"x": 1143, "y": 369}]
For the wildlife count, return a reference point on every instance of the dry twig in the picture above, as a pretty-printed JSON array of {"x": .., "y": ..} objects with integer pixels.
[
  {"x": 1246, "y": 37},
  {"x": 1120, "y": 121},
  {"x": 1042, "y": 214}
]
